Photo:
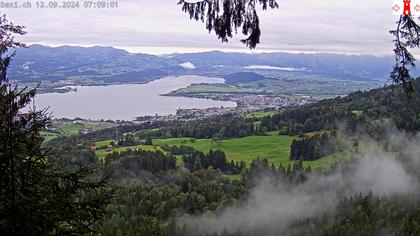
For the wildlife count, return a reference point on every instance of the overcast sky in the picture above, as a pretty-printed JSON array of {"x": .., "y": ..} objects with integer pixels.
[{"x": 159, "y": 26}]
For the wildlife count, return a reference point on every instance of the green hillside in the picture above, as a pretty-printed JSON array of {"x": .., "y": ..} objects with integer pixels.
[{"x": 273, "y": 147}]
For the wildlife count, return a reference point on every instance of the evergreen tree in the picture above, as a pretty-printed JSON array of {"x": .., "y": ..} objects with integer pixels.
[
  {"x": 226, "y": 17},
  {"x": 35, "y": 197},
  {"x": 407, "y": 36},
  {"x": 149, "y": 140}
]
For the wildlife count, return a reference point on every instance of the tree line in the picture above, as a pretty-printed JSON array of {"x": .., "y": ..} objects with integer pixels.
[
  {"x": 197, "y": 160},
  {"x": 317, "y": 146}
]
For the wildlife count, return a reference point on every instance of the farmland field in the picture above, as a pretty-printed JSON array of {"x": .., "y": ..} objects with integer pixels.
[
  {"x": 102, "y": 152},
  {"x": 259, "y": 114},
  {"x": 49, "y": 136},
  {"x": 273, "y": 147}
]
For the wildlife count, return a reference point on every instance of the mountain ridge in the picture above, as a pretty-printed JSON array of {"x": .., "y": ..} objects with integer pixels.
[{"x": 38, "y": 63}]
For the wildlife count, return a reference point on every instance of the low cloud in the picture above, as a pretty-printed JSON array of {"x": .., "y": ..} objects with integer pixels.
[
  {"x": 274, "y": 206},
  {"x": 266, "y": 67},
  {"x": 188, "y": 65}
]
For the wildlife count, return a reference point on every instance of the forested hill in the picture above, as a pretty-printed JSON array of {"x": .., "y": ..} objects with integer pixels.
[
  {"x": 355, "y": 111},
  {"x": 42, "y": 63},
  {"x": 243, "y": 77}
]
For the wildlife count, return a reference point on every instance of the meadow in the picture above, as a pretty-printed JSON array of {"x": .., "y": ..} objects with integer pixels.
[
  {"x": 259, "y": 114},
  {"x": 273, "y": 147},
  {"x": 49, "y": 136},
  {"x": 102, "y": 152}
]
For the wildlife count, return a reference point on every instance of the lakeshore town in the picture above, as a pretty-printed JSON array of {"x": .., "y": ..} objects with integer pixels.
[{"x": 246, "y": 104}]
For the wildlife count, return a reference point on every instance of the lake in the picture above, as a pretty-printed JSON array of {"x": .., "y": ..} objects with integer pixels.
[{"x": 127, "y": 101}]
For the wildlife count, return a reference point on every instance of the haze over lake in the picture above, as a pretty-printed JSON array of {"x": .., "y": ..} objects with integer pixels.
[{"x": 127, "y": 101}]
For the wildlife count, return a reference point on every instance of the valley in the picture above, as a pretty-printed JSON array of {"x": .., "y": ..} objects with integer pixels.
[
  {"x": 219, "y": 158},
  {"x": 273, "y": 80},
  {"x": 206, "y": 128},
  {"x": 210, "y": 118}
]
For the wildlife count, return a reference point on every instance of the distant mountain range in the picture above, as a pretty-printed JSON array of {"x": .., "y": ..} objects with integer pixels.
[{"x": 109, "y": 65}]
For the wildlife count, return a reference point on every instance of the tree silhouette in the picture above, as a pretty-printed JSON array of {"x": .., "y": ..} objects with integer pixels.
[
  {"x": 227, "y": 16},
  {"x": 407, "y": 36},
  {"x": 37, "y": 198}
]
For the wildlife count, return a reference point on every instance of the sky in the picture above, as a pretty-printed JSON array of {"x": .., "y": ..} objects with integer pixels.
[{"x": 160, "y": 27}]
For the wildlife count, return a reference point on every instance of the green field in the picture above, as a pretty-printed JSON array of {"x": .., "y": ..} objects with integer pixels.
[
  {"x": 358, "y": 113},
  {"x": 72, "y": 128},
  {"x": 103, "y": 143},
  {"x": 67, "y": 128},
  {"x": 48, "y": 136},
  {"x": 102, "y": 152},
  {"x": 273, "y": 147},
  {"x": 259, "y": 114},
  {"x": 211, "y": 89}
]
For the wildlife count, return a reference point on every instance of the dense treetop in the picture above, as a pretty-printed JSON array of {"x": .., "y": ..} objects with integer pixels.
[{"x": 225, "y": 17}]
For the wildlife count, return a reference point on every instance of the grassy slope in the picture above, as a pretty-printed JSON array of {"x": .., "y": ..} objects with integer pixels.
[
  {"x": 211, "y": 89},
  {"x": 102, "y": 152},
  {"x": 72, "y": 128},
  {"x": 48, "y": 136},
  {"x": 259, "y": 114},
  {"x": 274, "y": 147},
  {"x": 103, "y": 143}
]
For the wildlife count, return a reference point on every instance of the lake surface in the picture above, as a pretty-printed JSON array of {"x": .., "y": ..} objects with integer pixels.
[{"x": 127, "y": 101}]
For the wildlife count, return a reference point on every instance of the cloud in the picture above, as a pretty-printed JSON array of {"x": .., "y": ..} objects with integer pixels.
[
  {"x": 188, "y": 65},
  {"x": 265, "y": 67},
  {"x": 349, "y": 26}
]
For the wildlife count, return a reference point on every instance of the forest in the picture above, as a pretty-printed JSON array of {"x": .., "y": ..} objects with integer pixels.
[{"x": 357, "y": 111}]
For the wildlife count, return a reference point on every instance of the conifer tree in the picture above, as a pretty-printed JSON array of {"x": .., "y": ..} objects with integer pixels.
[
  {"x": 37, "y": 198},
  {"x": 225, "y": 17}
]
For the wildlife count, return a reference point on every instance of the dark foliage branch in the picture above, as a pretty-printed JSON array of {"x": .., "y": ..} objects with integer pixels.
[
  {"x": 407, "y": 36},
  {"x": 225, "y": 17}
]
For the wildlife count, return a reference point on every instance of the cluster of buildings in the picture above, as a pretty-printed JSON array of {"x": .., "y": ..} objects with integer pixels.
[
  {"x": 202, "y": 113},
  {"x": 253, "y": 102},
  {"x": 248, "y": 103},
  {"x": 261, "y": 101}
]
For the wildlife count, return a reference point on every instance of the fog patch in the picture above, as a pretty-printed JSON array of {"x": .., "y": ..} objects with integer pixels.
[
  {"x": 273, "y": 206},
  {"x": 188, "y": 65},
  {"x": 266, "y": 67}
]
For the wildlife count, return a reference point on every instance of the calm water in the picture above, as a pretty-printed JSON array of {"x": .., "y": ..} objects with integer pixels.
[{"x": 124, "y": 102}]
